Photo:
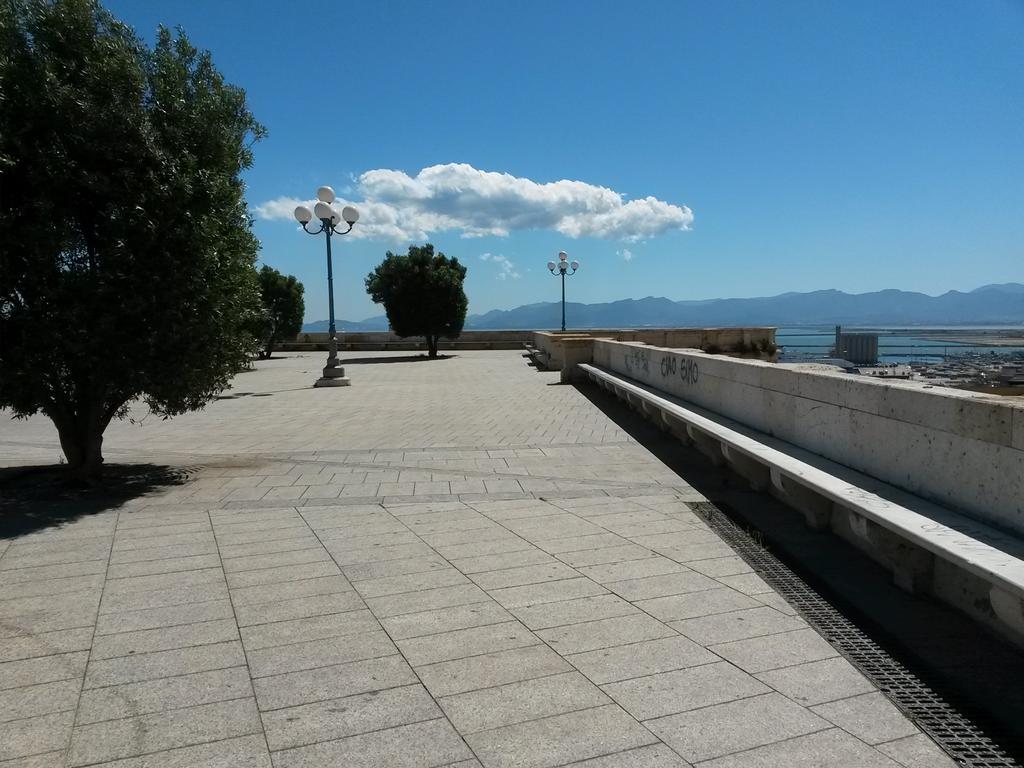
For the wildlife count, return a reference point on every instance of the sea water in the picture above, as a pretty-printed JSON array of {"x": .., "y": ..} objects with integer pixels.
[{"x": 895, "y": 345}]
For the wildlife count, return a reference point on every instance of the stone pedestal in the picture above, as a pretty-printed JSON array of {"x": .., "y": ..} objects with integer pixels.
[
  {"x": 333, "y": 373},
  {"x": 333, "y": 377}
]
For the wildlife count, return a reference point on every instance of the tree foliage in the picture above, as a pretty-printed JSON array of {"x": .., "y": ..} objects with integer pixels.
[
  {"x": 422, "y": 294},
  {"x": 126, "y": 250},
  {"x": 283, "y": 308}
]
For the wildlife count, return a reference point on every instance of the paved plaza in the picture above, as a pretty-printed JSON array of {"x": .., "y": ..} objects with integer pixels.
[{"x": 454, "y": 562}]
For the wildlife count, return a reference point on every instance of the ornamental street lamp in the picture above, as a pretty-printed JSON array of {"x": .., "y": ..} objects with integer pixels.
[
  {"x": 330, "y": 218},
  {"x": 561, "y": 268}
]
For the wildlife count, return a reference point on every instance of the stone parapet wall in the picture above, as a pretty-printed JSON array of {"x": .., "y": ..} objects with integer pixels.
[
  {"x": 384, "y": 340},
  {"x": 726, "y": 340},
  {"x": 960, "y": 449}
]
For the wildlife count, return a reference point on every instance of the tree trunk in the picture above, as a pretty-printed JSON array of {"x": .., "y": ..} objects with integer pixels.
[
  {"x": 83, "y": 448},
  {"x": 432, "y": 345},
  {"x": 269, "y": 349}
]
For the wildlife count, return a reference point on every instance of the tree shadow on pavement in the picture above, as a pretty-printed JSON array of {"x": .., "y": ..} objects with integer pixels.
[{"x": 35, "y": 498}]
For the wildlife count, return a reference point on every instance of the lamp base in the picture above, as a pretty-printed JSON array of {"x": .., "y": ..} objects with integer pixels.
[{"x": 333, "y": 376}]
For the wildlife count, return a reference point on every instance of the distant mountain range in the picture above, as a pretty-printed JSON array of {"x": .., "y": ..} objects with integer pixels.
[{"x": 989, "y": 305}]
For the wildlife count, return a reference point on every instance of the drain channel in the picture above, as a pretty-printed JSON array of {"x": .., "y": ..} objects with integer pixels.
[{"x": 954, "y": 732}]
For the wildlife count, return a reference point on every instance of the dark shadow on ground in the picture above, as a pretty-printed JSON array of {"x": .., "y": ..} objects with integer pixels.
[
  {"x": 34, "y": 498},
  {"x": 975, "y": 670},
  {"x": 395, "y": 359}
]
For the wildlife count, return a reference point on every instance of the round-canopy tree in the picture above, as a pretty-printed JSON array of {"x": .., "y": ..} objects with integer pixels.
[
  {"x": 126, "y": 250},
  {"x": 283, "y": 308},
  {"x": 422, "y": 294}
]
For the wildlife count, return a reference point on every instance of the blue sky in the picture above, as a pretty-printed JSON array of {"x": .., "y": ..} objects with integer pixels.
[{"x": 786, "y": 146}]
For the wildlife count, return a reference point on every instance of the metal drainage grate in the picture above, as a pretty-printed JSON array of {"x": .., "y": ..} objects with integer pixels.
[{"x": 955, "y": 733}]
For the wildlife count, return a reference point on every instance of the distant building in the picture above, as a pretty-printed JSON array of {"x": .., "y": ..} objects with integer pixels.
[
  {"x": 1012, "y": 375},
  {"x": 858, "y": 348}
]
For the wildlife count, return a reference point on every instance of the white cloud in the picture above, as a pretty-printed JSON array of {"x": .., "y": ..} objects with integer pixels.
[
  {"x": 506, "y": 269},
  {"x": 457, "y": 196},
  {"x": 626, "y": 254}
]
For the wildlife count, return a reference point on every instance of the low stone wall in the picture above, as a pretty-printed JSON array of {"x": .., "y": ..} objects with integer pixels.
[
  {"x": 383, "y": 341},
  {"x": 963, "y": 450},
  {"x": 754, "y": 341}
]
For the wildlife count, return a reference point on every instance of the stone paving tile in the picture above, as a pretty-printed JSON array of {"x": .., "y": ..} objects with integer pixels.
[
  {"x": 45, "y": 644},
  {"x": 604, "y": 633},
  {"x": 817, "y": 682},
  {"x": 653, "y": 756},
  {"x": 414, "y": 602},
  {"x": 573, "y": 611},
  {"x": 917, "y": 752},
  {"x": 156, "y": 582},
  {"x": 337, "y": 718},
  {"x": 327, "y": 652},
  {"x": 33, "y": 735},
  {"x": 458, "y": 644},
  {"x": 431, "y": 743},
  {"x": 346, "y": 557},
  {"x": 34, "y": 700},
  {"x": 521, "y": 701},
  {"x": 474, "y": 672},
  {"x": 747, "y": 583},
  {"x": 641, "y": 659},
  {"x": 260, "y": 562},
  {"x": 412, "y": 582},
  {"x": 272, "y": 546},
  {"x": 528, "y": 574},
  {"x": 337, "y": 681},
  {"x": 721, "y": 729},
  {"x": 737, "y": 625},
  {"x": 12, "y": 609},
  {"x": 833, "y": 748},
  {"x": 296, "y": 608},
  {"x": 133, "y": 736},
  {"x": 721, "y": 566},
  {"x": 761, "y": 654},
  {"x": 548, "y": 592},
  {"x": 34, "y": 572},
  {"x": 283, "y": 573},
  {"x": 161, "y": 598},
  {"x": 662, "y": 586},
  {"x": 696, "y": 604},
  {"x": 307, "y": 629},
  {"x": 289, "y": 590},
  {"x": 151, "y": 666},
  {"x": 153, "y": 618},
  {"x": 685, "y": 689},
  {"x": 184, "y": 690},
  {"x": 43, "y": 669},
  {"x": 870, "y": 717},
  {"x": 173, "y": 565},
  {"x": 445, "y": 620},
  {"x": 506, "y": 544},
  {"x": 641, "y": 566},
  {"x": 51, "y": 587},
  {"x": 503, "y": 560},
  {"x": 168, "y": 638},
  {"x": 559, "y": 739}
]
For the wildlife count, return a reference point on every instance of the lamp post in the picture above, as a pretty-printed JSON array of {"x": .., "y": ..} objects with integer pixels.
[
  {"x": 330, "y": 218},
  {"x": 562, "y": 268}
]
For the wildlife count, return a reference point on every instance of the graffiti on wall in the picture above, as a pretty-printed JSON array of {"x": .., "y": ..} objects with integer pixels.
[
  {"x": 638, "y": 360},
  {"x": 687, "y": 369}
]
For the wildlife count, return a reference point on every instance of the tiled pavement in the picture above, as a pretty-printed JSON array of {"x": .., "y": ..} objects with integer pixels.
[{"x": 458, "y": 565}]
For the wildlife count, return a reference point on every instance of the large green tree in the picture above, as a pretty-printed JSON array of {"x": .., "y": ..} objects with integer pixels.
[
  {"x": 126, "y": 250},
  {"x": 422, "y": 294},
  {"x": 283, "y": 308}
]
